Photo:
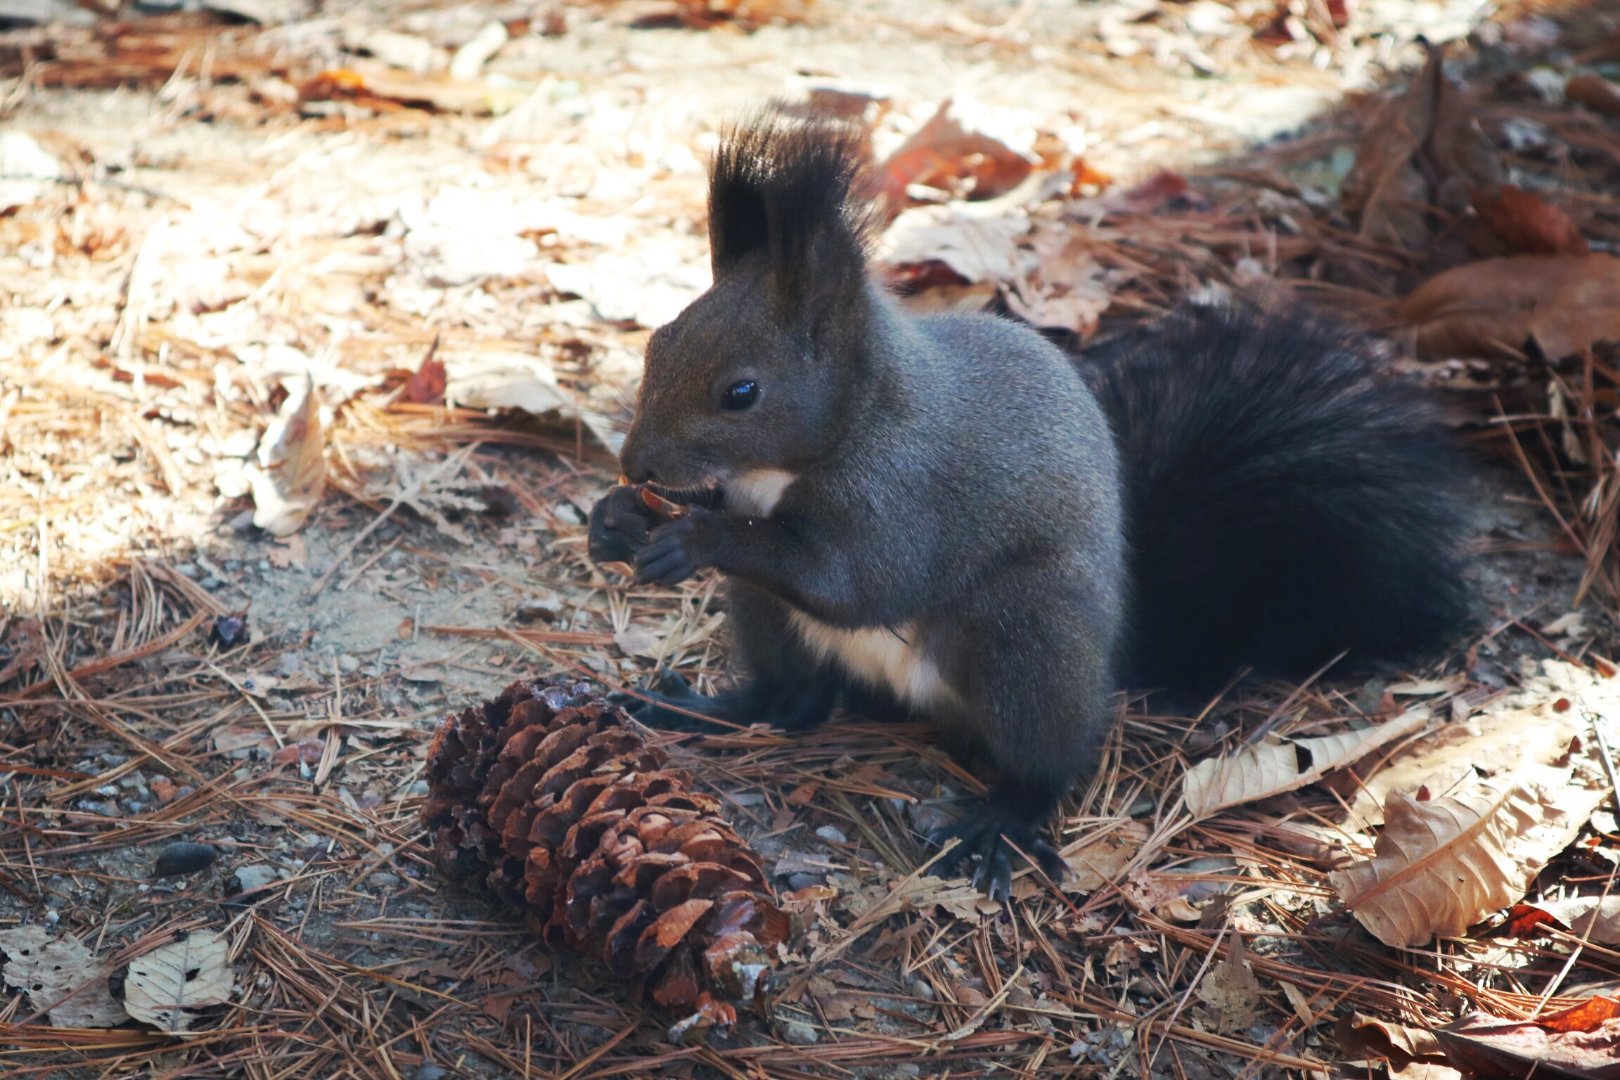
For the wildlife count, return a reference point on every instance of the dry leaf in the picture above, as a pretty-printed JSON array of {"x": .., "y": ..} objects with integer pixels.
[
  {"x": 944, "y": 154},
  {"x": 290, "y": 473},
  {"x": 1443, "y": 865},
  {"x": 23, "y": 646},
  {"x": 1419, "y": 150},
  {"x": 977, "y": 248},
  {"x": 638, "y": 641},
  {"x": 1098, "y": 860},
  {"x": 1231, "y": 992},
  {"x": 1590, "y": 918},
  {"x": 504, "y": 381},
  {"x": 1273, "y": 767},
  {"x": 1564, "y": 303},
  {"x": 427, "y": 383},
  {"x": 164, "y": 984},
  {"x": 1401, "y": 1045},
  {"x": 1512, "y": 740},
  {"x": 1484, "y": 1046},
  {"x": 59, "y": 975},
  {"x": 1528, "y": 223},
  {"x": 1595, "y": 92},
  {"x": 1068, "y": 290},
  {"x": 378, "y": 86}
]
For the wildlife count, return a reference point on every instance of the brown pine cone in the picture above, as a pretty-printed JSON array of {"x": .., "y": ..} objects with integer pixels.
[{"x": 549, "y": 796}]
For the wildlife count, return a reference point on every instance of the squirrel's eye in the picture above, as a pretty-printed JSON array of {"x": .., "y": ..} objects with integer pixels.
[{"x": 740, "y": 395}]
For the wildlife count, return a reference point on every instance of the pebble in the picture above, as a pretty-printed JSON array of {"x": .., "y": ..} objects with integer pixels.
[
  {"x": 832, "y": 834},
  {"x": 800, "y": 1033},
  {"x": 348, "y": 664},
  {"x": 183, "y": 857},
  {"x": 256, "y": 876}
]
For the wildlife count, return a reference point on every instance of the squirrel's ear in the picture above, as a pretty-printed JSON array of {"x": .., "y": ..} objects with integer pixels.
[{"x": 782, "y": 190}]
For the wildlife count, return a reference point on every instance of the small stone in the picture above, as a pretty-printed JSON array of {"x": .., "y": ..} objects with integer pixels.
[
  {"x": 921, "y": 987},
  {"x": 543, "y": 608},
  {"x": 183, "y": 857},
  {"x": 832, "y": 834},
  {"x": 382, "y": 879},
  {"x": 800, "y": 1033},
  {"x": 347, "y": 664},
  {"x": 253, "y": 877}
]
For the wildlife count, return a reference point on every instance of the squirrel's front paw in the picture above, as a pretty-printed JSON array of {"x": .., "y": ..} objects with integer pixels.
[
  {"x": 669, "y": 557},
  {"x": 620, "y": 522}
]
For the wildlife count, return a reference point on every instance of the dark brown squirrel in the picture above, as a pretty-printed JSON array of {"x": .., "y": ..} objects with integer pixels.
[{"x": 948, "y": 512}]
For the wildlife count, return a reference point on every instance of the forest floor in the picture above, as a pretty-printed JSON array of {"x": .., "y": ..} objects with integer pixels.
[{"x": 415, "y": 248}]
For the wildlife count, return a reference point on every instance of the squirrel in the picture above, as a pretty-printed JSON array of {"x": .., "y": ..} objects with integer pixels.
[{"x": 948, "y": 513}]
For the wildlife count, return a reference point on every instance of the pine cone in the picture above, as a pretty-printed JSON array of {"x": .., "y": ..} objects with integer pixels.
[{"x": 551, "y": 798}]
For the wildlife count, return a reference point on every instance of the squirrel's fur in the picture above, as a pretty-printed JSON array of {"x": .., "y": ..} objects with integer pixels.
[{"x": 945, "y": 511}]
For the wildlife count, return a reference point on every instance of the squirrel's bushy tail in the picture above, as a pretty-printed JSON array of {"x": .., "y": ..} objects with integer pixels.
[{"x": 1285, "y": 502}]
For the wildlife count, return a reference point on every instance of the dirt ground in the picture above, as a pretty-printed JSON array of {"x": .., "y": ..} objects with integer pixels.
[{"x": 202, "y": 209}]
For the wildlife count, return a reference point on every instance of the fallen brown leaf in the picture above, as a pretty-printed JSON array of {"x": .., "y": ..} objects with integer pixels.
[
  {"x": 1270, "y": 768},
  {"x": 944, "y": 154},
  {"x": 1418, "y": 151},
  {"x": 164, "y": 985},
  {"x": 1527, "y": 223},
  {"x": 1595, "y": 92},
  {"x": 1485, "y": 1047},
  {"x": 1442, "y": 865},
  {"x": 1562, "y": 303},
  {"x": 426, "y": 385},
  {"x": 59, "y": 975}
]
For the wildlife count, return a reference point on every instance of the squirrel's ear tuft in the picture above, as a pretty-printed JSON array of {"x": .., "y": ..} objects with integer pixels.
[{"x": 784, "y": 188}]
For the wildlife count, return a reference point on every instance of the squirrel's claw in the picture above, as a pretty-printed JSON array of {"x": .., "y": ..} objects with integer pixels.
[{"x": 991, "y": 840}]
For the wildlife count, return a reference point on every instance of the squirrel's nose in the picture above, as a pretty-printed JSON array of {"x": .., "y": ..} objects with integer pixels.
[{"x": 633, "y": 461}]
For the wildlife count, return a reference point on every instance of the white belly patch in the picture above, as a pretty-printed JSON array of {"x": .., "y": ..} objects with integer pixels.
[
  {"x": 757, "y": 491},
  {"x": 883, "y": 657}
]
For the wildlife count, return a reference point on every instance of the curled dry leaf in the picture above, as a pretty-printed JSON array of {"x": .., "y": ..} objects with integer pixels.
[
  {"x": 1494, "y": 307},
  {"x": 1483, "y": 1046},
  {"x": 1273, "y": 767},
  {"x": 1360, "y": 1035},
  {"x": 946, "y": 155},
  {"x": 166, "y": 984},
  {"x": 290, "y": 473},
  {"x": 1442, "y": 865},
  {"x": 59, "y": 975}
]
